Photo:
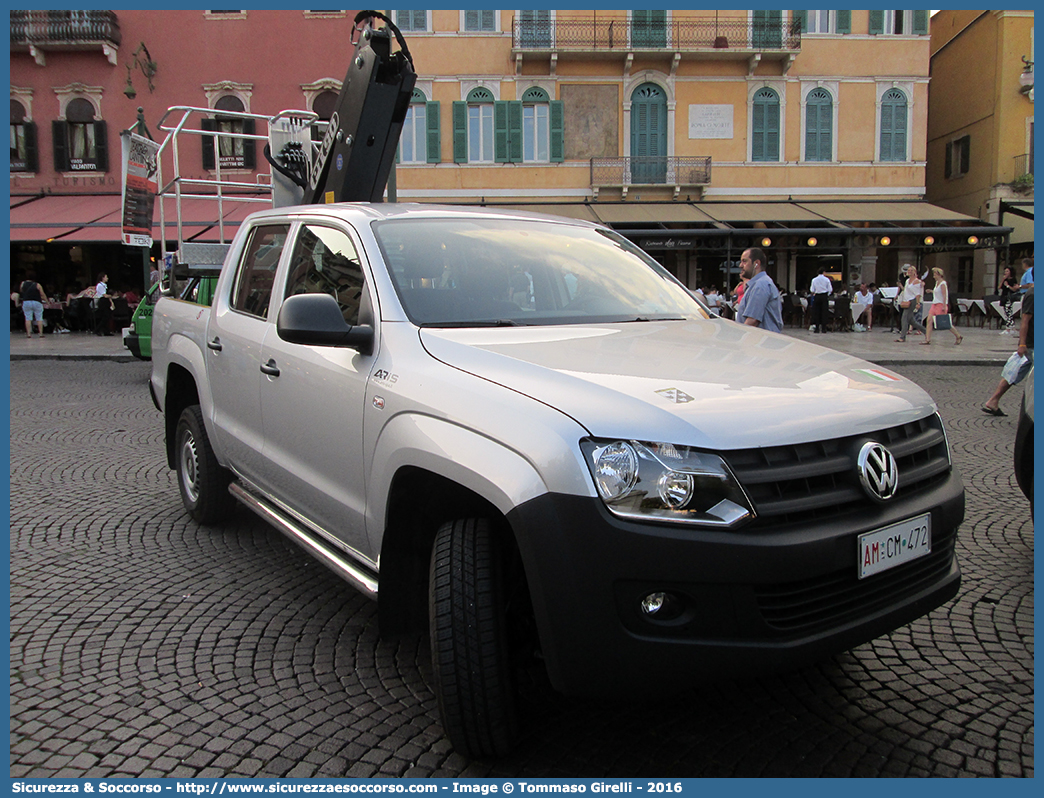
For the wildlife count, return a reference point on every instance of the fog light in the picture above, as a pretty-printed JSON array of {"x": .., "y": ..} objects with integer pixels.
[{"x": 655, "y": 603}]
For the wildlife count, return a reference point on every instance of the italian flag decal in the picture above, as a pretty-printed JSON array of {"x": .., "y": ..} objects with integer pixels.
[{"x": 877, "y": 374}]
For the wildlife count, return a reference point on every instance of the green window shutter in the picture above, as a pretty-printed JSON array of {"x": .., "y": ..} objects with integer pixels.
[
  {"x": 757, "y": 141},
  {"x": 60, "y": 136},
  {"x": 811, "y": 132},
  {"x": 501, "y": 132},
  {"x": 844, "y": 20},
  {"x": 801, "y": 17},
  {"x": 772, "y": 132},
  {"x": 32, "y": 160},
  {"x": 557, "y": 115},
  {"x": 460, "y": 132},
  {"x": 920, "y": 22},
  {"x": 876, "y": 20},
  {"x": 101, "y": 146},
  {"x": 434, "y": 132},
  {"x": 471, "y": 19},
  {"x": 514, "y": 119}
]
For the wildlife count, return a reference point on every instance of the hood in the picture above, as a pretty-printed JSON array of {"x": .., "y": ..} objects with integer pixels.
[{"x": 712, "y": 384}]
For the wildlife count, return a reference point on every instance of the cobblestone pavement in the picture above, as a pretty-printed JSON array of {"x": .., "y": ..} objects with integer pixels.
[{"x": 144, "y": 645}]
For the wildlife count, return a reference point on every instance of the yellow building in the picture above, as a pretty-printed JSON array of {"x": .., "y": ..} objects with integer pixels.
[
  {"x": 980, "y": 133},
  {"x": 805, "y": 129}
]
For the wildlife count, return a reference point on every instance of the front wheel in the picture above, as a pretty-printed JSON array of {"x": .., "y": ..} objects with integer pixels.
[
  {"x": 469, "y": 640},
  {"x": 202, "y": 481}
]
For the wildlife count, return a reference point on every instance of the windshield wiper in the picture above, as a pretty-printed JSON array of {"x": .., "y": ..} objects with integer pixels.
[
  {"x": 659, "y": 318},
  {"x": 475, "y": 323}
]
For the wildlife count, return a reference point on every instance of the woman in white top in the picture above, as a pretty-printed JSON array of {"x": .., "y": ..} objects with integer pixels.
[
  {"x": 909, "y": 300},
  {"x": 940, "y": 306}
]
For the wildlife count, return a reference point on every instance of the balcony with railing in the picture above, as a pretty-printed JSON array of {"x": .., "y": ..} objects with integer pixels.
[
  {"x": 38, "y": 32},
  {"x": 711, "y": 36},
  {"x": 679, "y": 171}
]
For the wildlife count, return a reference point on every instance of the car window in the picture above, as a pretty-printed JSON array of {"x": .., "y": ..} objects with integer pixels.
[
  {"x": 324, "y": 261},
  {"x": 479, "y": 272},
  {"x": 257, "y": 268}
]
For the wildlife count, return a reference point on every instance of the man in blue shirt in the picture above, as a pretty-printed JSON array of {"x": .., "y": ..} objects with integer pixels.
[
  {"x": 761, "y": 305},
  {"x": 1026, "y": 283}
]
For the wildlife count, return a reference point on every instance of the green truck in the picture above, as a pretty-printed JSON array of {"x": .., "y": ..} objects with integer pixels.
[{"x": 138, "y": 336}]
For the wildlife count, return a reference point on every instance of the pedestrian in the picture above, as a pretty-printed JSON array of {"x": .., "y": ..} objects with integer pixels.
[
  {"x": 940, "y": 307},
  {"x": 909, "y": 301},
  {"x": 821, "y": 288},
  {"x": 1025, "y": 350},
  {"x": 761, "y": 305},
  {"x": 102, "y": 306},
  {"x": 1026, "y": 282},
  {"x": 864, "y": 301},
  {"x": 33, "y": 298},
  {"x": 1008, "y": 290}
]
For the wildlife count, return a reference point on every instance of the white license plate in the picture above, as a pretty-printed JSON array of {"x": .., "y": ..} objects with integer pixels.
[{"x": 894, "y": 545}]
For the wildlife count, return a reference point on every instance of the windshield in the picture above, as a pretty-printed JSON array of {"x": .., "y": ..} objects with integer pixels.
[{"x": 467, "y": 272}]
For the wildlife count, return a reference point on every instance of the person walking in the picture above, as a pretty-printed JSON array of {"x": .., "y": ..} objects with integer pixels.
[
  {"x": 1008, "y": 290},
  {"x": 821, "y": 288},
  {"x": 761, "y": 305},
  {"x": 1025, "y": 350},
  {"x": 940, "y": 307},
  {"x": 33, "y": 298},
  {"x": 909, "y": 300}
]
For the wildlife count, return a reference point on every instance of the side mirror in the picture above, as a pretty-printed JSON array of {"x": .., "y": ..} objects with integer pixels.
[{"x": 316, "y": 320}]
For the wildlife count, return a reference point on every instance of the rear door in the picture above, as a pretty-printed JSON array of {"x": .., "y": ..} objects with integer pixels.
[
  {"x": 234, "y": 335},
  {"x": 313, "y": 397}
]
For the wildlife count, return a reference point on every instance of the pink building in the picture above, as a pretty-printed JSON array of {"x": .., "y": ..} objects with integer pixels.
[{"x": 78, "y": 78}]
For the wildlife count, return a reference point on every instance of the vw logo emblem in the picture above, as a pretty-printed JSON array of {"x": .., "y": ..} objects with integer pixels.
[{"x": 877, "y": 471}]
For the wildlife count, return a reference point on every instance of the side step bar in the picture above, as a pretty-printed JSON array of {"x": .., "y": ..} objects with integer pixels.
[{"x": 362, "y": 578}]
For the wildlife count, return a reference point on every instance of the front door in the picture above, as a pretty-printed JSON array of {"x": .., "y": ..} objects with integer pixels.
[{"x": 648, "y": 134}]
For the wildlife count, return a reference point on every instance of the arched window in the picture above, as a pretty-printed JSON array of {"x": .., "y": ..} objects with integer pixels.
[
  {"x": 80, "y": 141},
  {"x": 765, "y": 126},
  {"x": 819, "y": 125},
  {"x": 420, "y": 141},
  {"x": 473, "y": 127},
  {"x": 893, "y": 125},
  {"x": 536, "y": 126},
  {"x": 23, "y": 140},
  {"x": 323, "y": 106},
  {"x": 649, "y": 134},
  {"x": 235, "y": 153}
]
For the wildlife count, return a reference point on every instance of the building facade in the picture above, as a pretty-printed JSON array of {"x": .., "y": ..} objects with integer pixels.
[
  {"x": 980, "y": 133},
  {"x": 696, "y": 133}
]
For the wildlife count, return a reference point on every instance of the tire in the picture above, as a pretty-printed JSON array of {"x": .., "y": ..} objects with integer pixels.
[
  {"x": 469, "y": 642},
  {"x": 202, "y": 481}
]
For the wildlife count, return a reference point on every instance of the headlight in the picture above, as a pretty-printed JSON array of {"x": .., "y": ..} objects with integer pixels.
[{"x": 660, "y": 481}]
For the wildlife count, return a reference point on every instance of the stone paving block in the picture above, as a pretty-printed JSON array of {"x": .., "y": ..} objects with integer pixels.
[{"x": 237, "y": 655}]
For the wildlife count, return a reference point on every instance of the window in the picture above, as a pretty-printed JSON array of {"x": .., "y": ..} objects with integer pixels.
[
  {"x": 413, "y": 19},
  {"x": 765, "y": 126},
  {"x": 893, "y": 126},
  {"x": 535, "y": 28},
  {"x": 257, "y": 270},
  {"x": 484, "y": 20},
  {"x": 323, "y": 106},
  {"x": 649, "y": 29},
  {"x": 420, "y": 141},
  {"x": 235, "y": 153},
  {"x": 965, "y": 272},
  {"x": 473, "y": 128},
  {"x": 536, "y": 126},
  {"x": 891, "y": 22},
  {"x": 839, "y": 21},
  {"x": 80, "y": 141},
  {"x": 957, "y": 155},
  {"x": 23, "y": 140},
  {"x": 819, "y": 125},
  {"x": 324, "y": 261}
]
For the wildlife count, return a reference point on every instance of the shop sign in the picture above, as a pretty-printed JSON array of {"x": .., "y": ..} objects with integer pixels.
[{"x": 667, "y": 243}]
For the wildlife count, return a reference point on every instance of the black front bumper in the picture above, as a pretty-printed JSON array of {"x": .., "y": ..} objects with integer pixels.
[{"x": 752, "y": 601}]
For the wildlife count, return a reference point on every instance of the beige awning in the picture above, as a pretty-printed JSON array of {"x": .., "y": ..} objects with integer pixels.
[
  {"x": 767, "y": 212},
  {"x": 881, "y": 212},
  {"x": 650, "y": 213}
]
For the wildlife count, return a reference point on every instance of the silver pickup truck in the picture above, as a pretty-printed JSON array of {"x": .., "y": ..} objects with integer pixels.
[{"x": 526, "y": 438}]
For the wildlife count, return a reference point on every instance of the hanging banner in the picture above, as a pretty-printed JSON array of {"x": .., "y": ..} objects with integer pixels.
[{"x": 139, "y": 188}]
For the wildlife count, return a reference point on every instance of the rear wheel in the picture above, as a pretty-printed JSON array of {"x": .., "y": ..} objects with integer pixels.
[
  {"x": 202, "y": 481},
  {"x": 469, "y": 641}
]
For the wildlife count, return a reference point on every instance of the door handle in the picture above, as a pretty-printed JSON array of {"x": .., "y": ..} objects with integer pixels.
[
  {"x": 215, "y": 344},
  {"x": 270, "y": 368}
]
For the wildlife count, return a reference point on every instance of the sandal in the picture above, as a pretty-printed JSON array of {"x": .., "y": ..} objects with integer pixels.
[
  {"x": 926, "y": 343},
  {"x": 959, "y": 339},
  {"x": 993, "y": 411}
]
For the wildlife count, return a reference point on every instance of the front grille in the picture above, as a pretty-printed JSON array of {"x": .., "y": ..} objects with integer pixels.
[
  {"x": 840, "y": 596},
  {"x": 805, "y": 482}
]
